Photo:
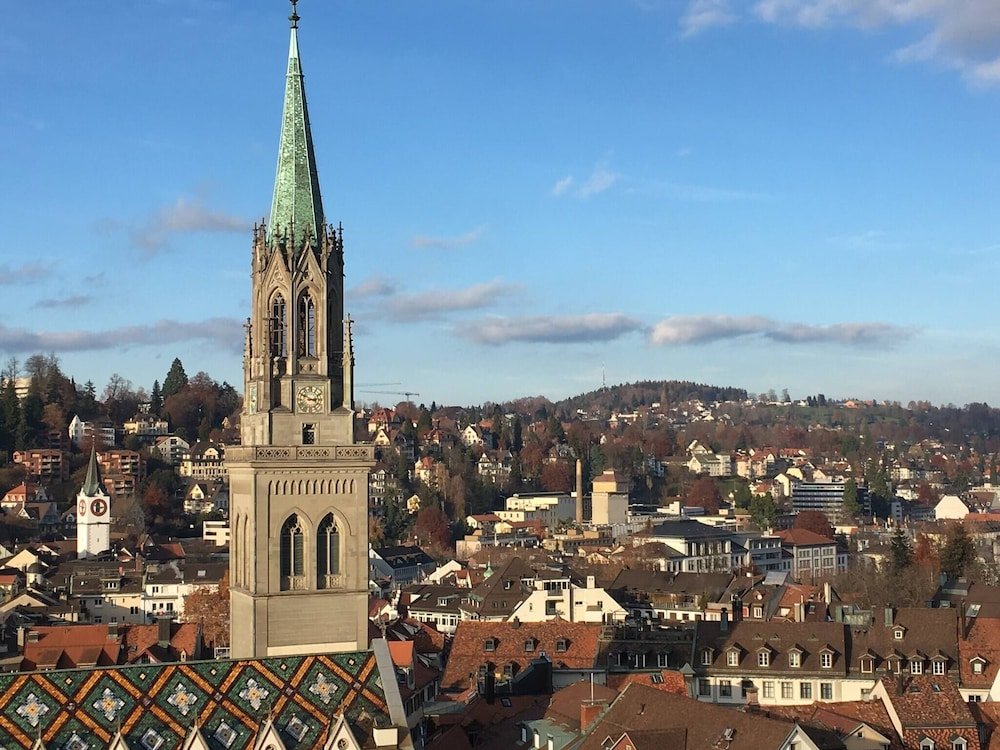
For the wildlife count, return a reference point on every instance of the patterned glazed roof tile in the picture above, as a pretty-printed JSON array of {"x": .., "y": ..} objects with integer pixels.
[{"x": 154, "y": 705}]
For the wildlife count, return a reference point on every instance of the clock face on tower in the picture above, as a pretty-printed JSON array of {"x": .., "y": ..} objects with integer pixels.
[
  {"x": 98, "y": 507},
  {"x": 309, "y": 399}
]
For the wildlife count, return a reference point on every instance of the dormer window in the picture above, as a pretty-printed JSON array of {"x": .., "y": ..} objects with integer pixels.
[
  {"x": 763, "y": 658},
  {"x": 916, "y": 666},
  {"x": 978, "y": 664},
  {"x": 508, "y": 584},
  {"x": 561, "y": 645},
  {"x": 706, "y": 657},
  {"x": 867, "y": 664},
  {"x": 529, "y": 645},
  {"x": 826, "y": 660},
  {"x": 898, "y": 634},
  {"x": 733, "y": 658},
  {"x": 795, "y": 659},
  {"x": 490, "y": 644}
]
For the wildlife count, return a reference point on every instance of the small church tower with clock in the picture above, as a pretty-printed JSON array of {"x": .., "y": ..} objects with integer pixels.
[
  {"x": 93, "y": 513},
  {"x": 298, "y": 482}
]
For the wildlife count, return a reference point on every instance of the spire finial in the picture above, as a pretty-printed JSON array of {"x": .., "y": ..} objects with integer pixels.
[{"x": 294, "y": 18}]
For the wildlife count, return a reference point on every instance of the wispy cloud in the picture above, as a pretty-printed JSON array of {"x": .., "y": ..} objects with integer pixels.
[
  {"x": 76, "y": 300},
  {"x": 706, "y": 14},
  {"x": 704, "y": 329},
  {"x": 439, "y": 303},
  {"x": 375, "y": 286},
  {"x": 184, "y": 216},
  {"x": 24, "y": 273},
  {"x": 562, "y": 185},
  {"x": 555, "y": 329},
  {"x": 225, "y": 333},
  {"x": 871, "y": 239},
  {"x": 448, "y": 243},
  {"x": 963, "y": 35},
  {"x": 600, "y": 179}
]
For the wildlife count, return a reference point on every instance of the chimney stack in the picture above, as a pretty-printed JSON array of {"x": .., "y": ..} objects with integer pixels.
[
  {"x": 579, "y": 492},
  {"x": 163, "y": 632},
  {"x": 724, "y": 620},
  {"x": 888, "y": 616}
]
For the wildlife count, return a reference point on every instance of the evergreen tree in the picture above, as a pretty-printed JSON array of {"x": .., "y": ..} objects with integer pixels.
[
  {"x": 901, "y": 551},
  {"x": 851, "y": 507},
  {"x": 763, "y": 511},
  {"x": 10, "y": 416},
  {"x": 176, "y": 379},
  {"x": 958, "y": 553},
  {"x": 155, "y": 398}
]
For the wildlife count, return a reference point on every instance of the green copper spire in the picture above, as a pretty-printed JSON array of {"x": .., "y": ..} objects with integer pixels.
[
  {"x": 93, "y": 485},
  {"x": 297, "y": 206}
]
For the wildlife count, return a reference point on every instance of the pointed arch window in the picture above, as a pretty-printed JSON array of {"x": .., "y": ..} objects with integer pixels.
[
  {"x": 307, "y": 326},
  {"x": 278, "y": 326},
  {"x": 292, "y": 553},
  {"x": 328, "y": 553}
]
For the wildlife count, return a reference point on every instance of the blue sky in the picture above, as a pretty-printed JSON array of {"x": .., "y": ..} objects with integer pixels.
[{"x": 799, "y": 194}]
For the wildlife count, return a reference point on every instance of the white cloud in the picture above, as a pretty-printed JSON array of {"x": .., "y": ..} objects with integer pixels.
[
  {"x": 448, "y": 243},
  {"x": 706, "y": 14},
  {"x": 375, "y": 286},
  {"x": 601, "y": 179},
  {"x": 556, "y": 329},
  {"x": 183, "y": 216},
  {"x": 224, "y": 333},
  {"x": 703, "y": 329},
  {"x": 562, "y": 185},
  {"x": 963, "y": 35},
  {"x": 439, "y": 303},
  {"x": 23, "y": 274}
]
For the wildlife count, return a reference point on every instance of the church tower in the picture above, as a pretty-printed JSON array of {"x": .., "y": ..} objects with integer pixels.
[
  {"x": 298, "y": 482},
  {"x": 93, "y": 513}
]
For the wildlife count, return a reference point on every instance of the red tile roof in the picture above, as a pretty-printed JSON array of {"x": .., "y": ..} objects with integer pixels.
[
  {"x": 803, "y": 538},
  {"x": 983, "y": 641},
  {"x": 70, "y": 646},
  {"x": 569, "y": 645}
]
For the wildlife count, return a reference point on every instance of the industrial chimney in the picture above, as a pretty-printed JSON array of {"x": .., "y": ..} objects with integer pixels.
[{"x": 579, "y": 492}]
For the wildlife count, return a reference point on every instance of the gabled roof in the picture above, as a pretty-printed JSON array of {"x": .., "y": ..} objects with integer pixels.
[
  {"x": 642, "y": 709},
  {"x": 568, "y": 645}
]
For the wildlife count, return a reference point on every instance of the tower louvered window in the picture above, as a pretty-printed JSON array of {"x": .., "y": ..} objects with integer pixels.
[
  {"x": 328, "y": 553},
  {"x": 278, "y": 326},
  {"x": 307, "y": 326},
  {"x": 292, "y": 553}
]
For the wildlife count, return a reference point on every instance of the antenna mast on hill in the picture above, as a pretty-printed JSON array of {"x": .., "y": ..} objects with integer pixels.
[{"x": 604, "y": 376}]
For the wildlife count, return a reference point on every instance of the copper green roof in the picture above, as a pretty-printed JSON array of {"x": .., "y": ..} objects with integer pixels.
[
  {"x": 93, "y": 485},
  {"x": 297, "y": 206}
]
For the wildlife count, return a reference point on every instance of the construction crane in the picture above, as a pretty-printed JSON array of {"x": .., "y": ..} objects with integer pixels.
[{"x": 408, "y": 394}]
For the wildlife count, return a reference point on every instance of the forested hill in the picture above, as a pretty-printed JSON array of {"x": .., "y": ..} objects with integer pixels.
[{"x": 645, "y": 393}]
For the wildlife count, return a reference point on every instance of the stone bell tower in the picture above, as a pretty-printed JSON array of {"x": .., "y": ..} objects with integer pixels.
[{"x": 298, "y": 482}]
